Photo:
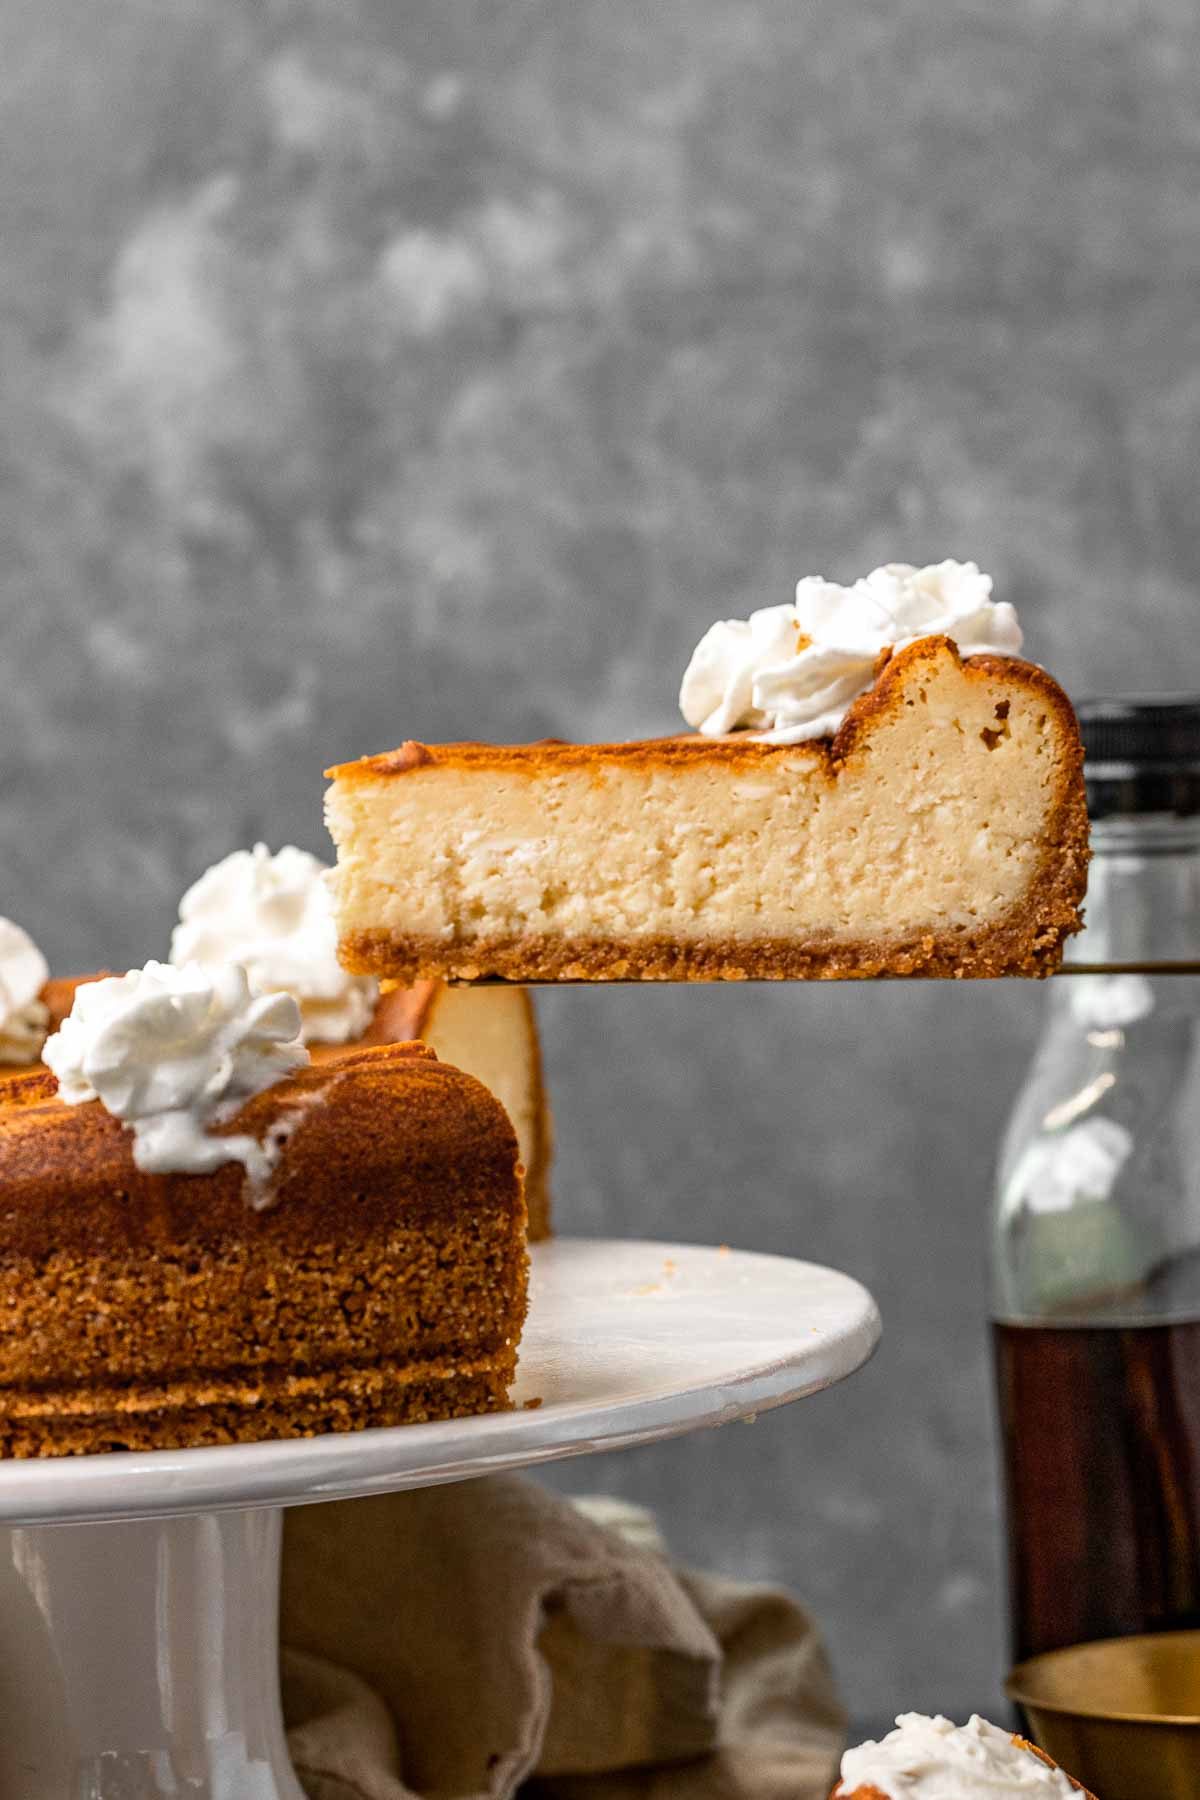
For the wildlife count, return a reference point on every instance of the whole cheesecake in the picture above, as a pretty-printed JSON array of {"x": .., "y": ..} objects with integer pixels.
[
  {"x": 378, "y": 1277},
  {"x": 941, "y": 830}
]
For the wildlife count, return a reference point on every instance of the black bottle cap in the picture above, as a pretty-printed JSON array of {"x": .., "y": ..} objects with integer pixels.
[{"x": 1142, "y": 754}]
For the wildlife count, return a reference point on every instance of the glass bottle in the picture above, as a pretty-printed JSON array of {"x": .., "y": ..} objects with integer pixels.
[{"x": 1096, "y": 1230}]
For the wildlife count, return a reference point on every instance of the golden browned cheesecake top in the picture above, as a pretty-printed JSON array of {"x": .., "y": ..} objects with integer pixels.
[
  {"x": 58, "y": 995},
  {"x": 886, "y": 697},
  {"x": 355, "y": 1134},
  {"x": 553, "y": 753}
]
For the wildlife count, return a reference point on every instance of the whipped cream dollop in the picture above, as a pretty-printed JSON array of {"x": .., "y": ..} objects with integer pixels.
[
  {"x": 792, "y": 672},
  {"x": 23, "y": 1016},
  {"x": 174, "y": 1051},
  {"x": 933, "y": 1759},
  {"x": 274, "y": 915}
]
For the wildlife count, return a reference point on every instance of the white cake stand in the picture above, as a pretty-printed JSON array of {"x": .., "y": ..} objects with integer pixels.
[{"x": 139, "y": 1593}]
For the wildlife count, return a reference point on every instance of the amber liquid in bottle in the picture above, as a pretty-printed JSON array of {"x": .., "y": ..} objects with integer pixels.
[{"x": 1100, "y": 1430}]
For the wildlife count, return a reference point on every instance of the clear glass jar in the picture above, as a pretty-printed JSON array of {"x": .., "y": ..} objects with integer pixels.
[{"x": 1096, "y": 1229}]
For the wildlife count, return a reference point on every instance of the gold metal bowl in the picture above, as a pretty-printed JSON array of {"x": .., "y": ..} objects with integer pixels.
[{"x": 1122, "y": 1716}]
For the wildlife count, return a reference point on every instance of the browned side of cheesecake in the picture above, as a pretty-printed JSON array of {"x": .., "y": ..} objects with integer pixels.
[
  {"x": 58, "y": 995},
  {"x": 383, "y": 1283},
  {"x": 1022, "y": 936},
  {"x": 1036, "y": 1750}
]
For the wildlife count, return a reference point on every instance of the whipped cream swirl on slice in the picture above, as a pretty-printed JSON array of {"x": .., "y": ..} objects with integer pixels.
[
  {"x": 174, "y": 1051},
  {"x": 792, "y": 673},
  {"x": 932, "y": 1759},
  {"x": 23, "y": 1015},
  {"x": 274, "y": 915}
]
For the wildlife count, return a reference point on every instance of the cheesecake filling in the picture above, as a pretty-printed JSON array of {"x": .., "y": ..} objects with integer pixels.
[
  {"x": 274, "y": 916},
  {"x": 175, "y": 1051},
  {"x": 933, "y": 1759},
  {"x": 792, "y": 673},
  {"x": 24, "y": 1016},
  {"x": 928, "y": 829}
]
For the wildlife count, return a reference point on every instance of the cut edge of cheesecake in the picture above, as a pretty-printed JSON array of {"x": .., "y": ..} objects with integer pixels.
[{"x": 911, "y": 714}]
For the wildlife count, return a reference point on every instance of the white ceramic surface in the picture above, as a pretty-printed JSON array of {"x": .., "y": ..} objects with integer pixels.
[
  {"x": 139, "y": 1593},
  {"x": 625, "y": 1342},
  {"x": 139, "y": 1661}
]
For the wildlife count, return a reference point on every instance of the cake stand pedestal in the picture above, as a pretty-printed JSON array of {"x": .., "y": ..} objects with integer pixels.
[{"x": 139, "y": 1593}]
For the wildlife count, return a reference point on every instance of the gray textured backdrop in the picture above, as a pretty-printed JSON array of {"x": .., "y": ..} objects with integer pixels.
[{"x": 379, "y": 369}]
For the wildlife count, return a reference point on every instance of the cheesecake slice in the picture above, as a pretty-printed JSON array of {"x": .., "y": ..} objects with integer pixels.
[{"x": 940, "y": 831}]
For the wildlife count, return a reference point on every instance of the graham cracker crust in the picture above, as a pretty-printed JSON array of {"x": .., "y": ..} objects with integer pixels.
[
  {"x": 254, "y": 1407},
  {"x": 1027, "y": 942}
]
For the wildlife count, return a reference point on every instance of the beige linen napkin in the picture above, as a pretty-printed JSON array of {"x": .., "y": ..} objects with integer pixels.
[{"x": 465, "y": 1642}]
